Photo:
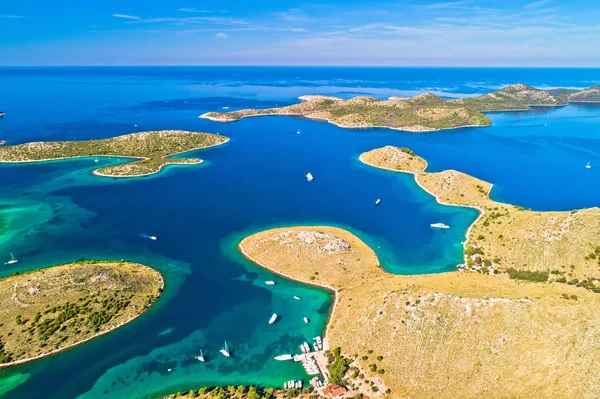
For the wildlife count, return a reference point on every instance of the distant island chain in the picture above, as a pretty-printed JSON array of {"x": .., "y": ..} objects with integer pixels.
[{"x": 425, "y": 112}]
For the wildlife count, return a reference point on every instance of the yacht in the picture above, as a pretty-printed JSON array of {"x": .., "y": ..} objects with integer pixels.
[
  {"x": 439, "y": 226},
  {"x": 273, "y": 318},
  {"x": 296, "y": 297},
  {"x": 284, "y": 357},
  {"x": 309, "y": 177},
  {"x": 377, "y": 202},
  {"x": 588, "y": 166},
  {"x": 270, "y": 282},
  {"x": 12, "y": 260},
  {"x": 200, "y": 357},
  {"x": 306, "y": 320},
  {"x": 225, "y": 350},
  {"x": 153, "y": 238}
]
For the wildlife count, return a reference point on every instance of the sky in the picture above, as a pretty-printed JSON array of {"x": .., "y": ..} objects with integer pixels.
[{"x": 283, "y": 32}]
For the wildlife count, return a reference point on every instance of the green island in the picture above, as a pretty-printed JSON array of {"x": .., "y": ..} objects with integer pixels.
[
  {"x": 150, "y": 149},
  {"x": 425, "y": 112},
  {"x": 46, "y": 311}
]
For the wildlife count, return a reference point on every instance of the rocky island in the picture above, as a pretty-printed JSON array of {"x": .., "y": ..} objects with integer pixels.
[
  {"x": 150, "y": 149},
  {"x": 449, "y": 335},
  {"x": 564, "y": 246},
  {"x": 46, "y": 311},
  {"x": 425, "y": 112}
]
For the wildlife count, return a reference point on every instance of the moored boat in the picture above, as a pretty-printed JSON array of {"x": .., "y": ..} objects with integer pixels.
[
  {"x": 270, "y": 282},
  {"x": 284, "y": 357},
  {"x": 12, "y": 260},
  {"x": 225, "y": 350},
  {"x": 273, "y": 318}
]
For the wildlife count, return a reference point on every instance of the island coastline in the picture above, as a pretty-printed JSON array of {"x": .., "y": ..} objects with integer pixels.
[
  {"x": 167, "y": 160},
  {"x": 111, "y": 264}
]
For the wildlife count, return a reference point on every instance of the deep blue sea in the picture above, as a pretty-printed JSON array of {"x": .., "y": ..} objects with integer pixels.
[{"x": 58, "y": 212}]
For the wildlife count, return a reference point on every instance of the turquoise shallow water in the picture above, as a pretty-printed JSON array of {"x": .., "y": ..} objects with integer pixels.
[{"x": 58, "y": 212}]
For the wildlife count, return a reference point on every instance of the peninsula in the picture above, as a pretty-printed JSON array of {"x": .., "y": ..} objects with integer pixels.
[
  {"x": 425, "y": 112},
  {"x": 450, "y": 335},
  {"x": 562, "y": 246},
  {"x": 49, "y": 310},
  {"x": 150, "y": 149}
]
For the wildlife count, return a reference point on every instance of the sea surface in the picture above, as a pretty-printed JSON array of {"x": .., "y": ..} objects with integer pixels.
[{"x": 58, "y": 212}]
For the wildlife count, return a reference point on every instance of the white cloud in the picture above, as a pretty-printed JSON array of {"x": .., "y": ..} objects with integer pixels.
[
  {"x": 537, "y": 4},
  {"x": 125, "y": 16},
  {"x": 221, "y": 35},
  {"x": 449, "y": 4},
  {"x": 192, "y": 10}
]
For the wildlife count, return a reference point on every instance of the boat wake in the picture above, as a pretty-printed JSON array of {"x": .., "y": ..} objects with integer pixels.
[{"x": 147, "y": 236}]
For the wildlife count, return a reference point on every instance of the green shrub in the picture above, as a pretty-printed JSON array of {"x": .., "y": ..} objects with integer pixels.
[{"x": 527, "y": 275}]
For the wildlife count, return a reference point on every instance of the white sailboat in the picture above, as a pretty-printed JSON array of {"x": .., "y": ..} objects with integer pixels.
[
  {"x": 309, "y": 177},
  {"x": 200, "y": 357},
  {"x": 298, "y": 132},
  {"x": 12, "y": 260},
  {"x": 225, "y": 350},
  {"x": 588, "y": 166},
  {"x": 273, "y": 318},
  {"x": 306, "y": 320}
]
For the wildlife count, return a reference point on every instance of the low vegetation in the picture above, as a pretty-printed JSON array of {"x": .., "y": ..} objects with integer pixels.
[
  {"x": 242, "y": 392},
  {"x": 440, "y": 335},
  {"x": 48, "y": 310},
  {"x": 152, "y": 149}
]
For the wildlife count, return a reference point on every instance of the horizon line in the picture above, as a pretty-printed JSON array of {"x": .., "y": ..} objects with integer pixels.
[{"x": 299, "y": 66}]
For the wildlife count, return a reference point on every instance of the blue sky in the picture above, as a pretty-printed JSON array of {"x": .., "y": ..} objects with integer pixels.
[{"x": 268, "y": 32}]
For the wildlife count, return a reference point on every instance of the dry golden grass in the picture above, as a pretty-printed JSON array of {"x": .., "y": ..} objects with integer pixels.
[
  {"x": 518, "y": 238},
  {"x": 451, "y": 335},
  {"x": 48, "y": 310}
]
